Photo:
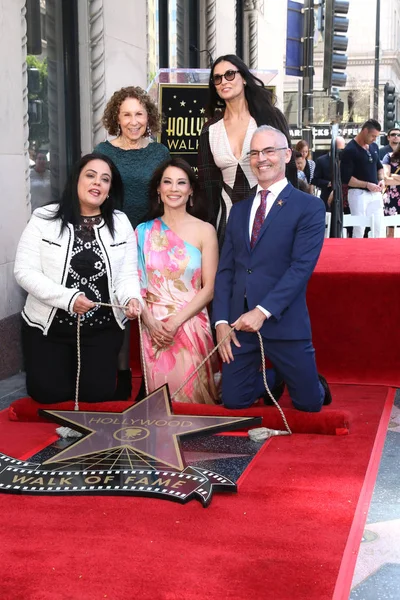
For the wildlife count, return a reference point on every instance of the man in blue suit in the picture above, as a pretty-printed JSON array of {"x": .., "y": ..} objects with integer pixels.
[{"x": 272, "y": 243}]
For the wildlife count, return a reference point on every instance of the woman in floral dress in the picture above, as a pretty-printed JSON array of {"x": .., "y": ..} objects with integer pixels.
[
  {"x": 178, "y": 257},
  {"x": 391, "y": 198}
]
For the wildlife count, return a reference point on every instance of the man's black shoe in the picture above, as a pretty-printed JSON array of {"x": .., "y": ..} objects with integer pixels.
[
  {"x": 328, "y": 395},
  {"x": 277, "y": 392}
]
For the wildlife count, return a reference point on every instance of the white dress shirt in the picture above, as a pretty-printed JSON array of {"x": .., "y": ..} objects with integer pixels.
[{"x": 274, "y": 190}]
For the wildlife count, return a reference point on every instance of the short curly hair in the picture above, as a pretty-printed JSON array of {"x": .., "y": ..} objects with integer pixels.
[{"x": 110, "y": 117}]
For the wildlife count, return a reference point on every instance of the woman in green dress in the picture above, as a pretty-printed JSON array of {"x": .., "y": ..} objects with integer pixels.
[{"x": 133, "y": 118}]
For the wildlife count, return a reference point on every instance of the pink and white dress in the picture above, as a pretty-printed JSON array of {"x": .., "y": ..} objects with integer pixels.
[{"x": 170, "y": 274}]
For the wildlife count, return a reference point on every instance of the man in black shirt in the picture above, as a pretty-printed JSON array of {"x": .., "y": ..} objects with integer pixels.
[{"x": 362, "y": 170}]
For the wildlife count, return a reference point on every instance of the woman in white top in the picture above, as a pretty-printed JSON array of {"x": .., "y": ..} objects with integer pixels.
[
  {"x": 238, "y": 103},
  {"x": 72, "y": 255}
]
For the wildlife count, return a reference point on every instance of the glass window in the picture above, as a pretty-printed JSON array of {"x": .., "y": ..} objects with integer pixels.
[
  {"x": 53, "y": 96},
  {"x": 356, "y": 107},
  {"x": 290, "y": 106}
]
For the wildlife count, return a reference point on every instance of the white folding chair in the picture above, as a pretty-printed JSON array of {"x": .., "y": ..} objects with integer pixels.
[
  {"x": 358, "y": 221},
  {"x": 392, "y": 221},
  {"x": 328, "y": 224}
]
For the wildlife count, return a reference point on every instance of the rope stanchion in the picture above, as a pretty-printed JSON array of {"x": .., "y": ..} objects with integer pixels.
[
  {"x": 146, "y": 383},
  {"x": 78, "y": 348},
  {"x": 78, "y": 357},
  {"x": 258, "y": 431}
]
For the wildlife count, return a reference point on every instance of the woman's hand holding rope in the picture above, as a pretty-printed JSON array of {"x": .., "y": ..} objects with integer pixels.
[
  {"x": 132, "y": 309},
  {"x": 82, "y": 305}
]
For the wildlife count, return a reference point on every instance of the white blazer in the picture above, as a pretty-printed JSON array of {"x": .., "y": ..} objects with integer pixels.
[{"x": 43, "y": 259}]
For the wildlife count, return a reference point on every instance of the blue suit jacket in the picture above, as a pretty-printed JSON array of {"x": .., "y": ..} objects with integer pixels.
[{"x": 275, "y": 273}]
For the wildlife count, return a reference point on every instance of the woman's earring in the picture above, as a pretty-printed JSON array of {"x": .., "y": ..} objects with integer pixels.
[
  {"x": 191, "y": 200},
  {"x": 119, "y": 131},
  {"x": 159, "y": 199},
  {"x": 148, "y": 130}
]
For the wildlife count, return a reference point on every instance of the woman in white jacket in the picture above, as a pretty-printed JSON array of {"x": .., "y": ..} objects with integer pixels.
[{"x": 70, "y": 256}]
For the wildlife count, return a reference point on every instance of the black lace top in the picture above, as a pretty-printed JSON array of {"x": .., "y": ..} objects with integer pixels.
[{"x": 87, "y": 273}]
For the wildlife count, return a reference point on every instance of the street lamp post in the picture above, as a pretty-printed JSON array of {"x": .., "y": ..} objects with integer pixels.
[
  {"x": 308, "y": 71},
  {"x": 376, "y": 70}
]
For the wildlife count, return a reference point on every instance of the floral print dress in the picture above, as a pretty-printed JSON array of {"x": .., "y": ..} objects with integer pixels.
[
  {"x": 170, "y": 274},
  {"x": 391, "y": 198}
]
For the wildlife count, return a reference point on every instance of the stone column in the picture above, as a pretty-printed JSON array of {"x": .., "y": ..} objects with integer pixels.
[
  {"x": 180, "y": 35},
  {"x": 25, "y": 117},
  {"x": 251, "y": 8},
  {"x": 211, "y": 30},
  {"x": 97, "y": 69}
]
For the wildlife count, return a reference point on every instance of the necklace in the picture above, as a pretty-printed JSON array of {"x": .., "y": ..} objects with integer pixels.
[
  {"x": 89, "y": 222},
  {"x": 140, "y": 144}
]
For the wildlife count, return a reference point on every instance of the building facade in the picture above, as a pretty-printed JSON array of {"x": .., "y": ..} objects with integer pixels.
[{"x": 358, "y": 95}]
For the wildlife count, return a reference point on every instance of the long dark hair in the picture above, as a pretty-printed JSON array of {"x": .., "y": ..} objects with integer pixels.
[
  {"x": 68, "y": 210},
  {"x": 260, "y": 101},
  {"x": 156, "y": 208}
]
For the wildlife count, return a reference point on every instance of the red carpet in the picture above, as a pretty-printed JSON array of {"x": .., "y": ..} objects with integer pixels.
[
  {"x": 330, "y": 421},
  {"x": 22, "y": 440},
  {"x": 282, "y": 537},
  {"x": 351, "y": 297}
]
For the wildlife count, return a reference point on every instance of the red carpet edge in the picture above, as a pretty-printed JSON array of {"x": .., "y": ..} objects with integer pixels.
[{"x": 349, "y": 559}]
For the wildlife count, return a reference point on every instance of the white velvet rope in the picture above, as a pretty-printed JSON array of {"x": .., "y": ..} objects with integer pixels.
[{"x": 263, "y": 436}]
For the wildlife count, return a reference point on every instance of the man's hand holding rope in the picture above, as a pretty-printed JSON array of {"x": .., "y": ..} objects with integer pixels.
[{"x": 250, "y": 321}]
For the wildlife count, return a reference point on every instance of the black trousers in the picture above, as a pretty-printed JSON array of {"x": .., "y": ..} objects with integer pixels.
[{"x": 51, "y": 364}]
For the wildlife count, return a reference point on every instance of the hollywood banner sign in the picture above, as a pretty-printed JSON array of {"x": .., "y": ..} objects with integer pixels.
[
  {"x": 136, "y": 452},
  {"x": 183, "y": 108}
]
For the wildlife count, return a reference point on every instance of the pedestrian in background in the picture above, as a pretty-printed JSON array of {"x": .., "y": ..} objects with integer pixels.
[
  {"x": 322, "y": 178},
  {"x": 393, "y": 136},
  {"x": 362, "y": 171}
]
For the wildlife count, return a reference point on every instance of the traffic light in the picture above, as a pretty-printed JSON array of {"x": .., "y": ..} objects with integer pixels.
[
  {"x": 389, "y": 108},
  {"x": 335, "y": 44}
]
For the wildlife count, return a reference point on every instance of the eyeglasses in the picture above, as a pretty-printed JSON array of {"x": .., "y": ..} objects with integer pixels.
[
  {"x": 228, "y": 75},
  {"x": 394, "y": 134},
  {"x": 370, "y": 159},
  {"x": 265, "y": 152}
]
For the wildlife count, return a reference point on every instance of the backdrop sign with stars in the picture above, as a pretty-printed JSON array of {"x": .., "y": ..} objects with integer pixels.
[{"x": 183, "y": 108}]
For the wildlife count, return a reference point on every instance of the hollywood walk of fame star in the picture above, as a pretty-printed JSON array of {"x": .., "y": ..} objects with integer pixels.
[{"x": 148, "y": 428}]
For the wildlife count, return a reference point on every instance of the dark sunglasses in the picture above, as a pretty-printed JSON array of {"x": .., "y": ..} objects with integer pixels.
[
  {"x": 370, "y": 159},
  {"x": 394, "y": 134},
  {"x": 228, "y": 75}
]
